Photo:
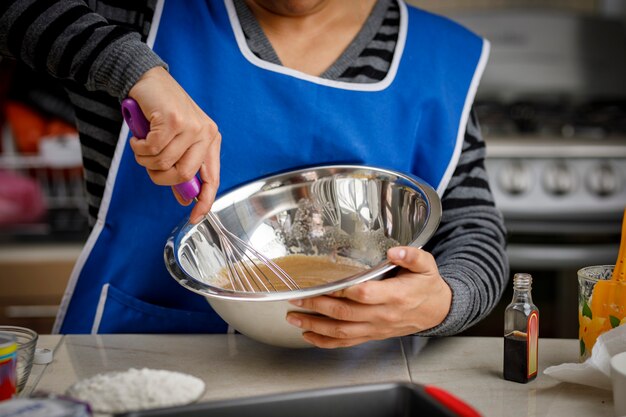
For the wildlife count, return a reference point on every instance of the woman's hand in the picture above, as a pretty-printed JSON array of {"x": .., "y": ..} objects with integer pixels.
[
  {"x": 416, "y": 299},
  {"x": 182, "y": 140}
]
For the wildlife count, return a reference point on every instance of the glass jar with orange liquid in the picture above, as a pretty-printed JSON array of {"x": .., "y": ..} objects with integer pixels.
[{"x": 598, "y": 313}]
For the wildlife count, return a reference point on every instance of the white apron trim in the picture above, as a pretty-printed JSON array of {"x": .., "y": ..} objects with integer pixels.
[
  {"x": 100, "y": 309},
  {"x": 104, "y": 205},
  {"x": 377, "y": 86},
  {"x": 469, "y": 100}
]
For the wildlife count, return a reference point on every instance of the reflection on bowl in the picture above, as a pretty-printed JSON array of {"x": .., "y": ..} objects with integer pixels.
[
  {"x": 26, "y": 341},
  {"x": 342, "y": 211}
]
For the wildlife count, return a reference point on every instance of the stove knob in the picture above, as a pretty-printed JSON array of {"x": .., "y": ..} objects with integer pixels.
[
  {"x": 603, "y": 180},
  {"x": 515, "y": 178},
  {"x": 559, "y": 179}
]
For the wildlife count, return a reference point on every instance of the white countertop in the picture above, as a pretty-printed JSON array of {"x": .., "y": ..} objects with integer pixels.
[{"x": 234, "y": 366}]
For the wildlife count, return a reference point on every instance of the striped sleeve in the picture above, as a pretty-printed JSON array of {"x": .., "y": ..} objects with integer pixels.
[
  {"x": 68, "y": 40},
  {"x": 470, "y": 243}
]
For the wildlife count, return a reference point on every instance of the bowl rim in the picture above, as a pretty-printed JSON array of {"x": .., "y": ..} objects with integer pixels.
[
  {"x": 175, "y": 269},
  {"x": 15, "y": 330}
]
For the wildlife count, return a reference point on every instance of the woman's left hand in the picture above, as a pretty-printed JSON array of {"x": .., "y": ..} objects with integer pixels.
[{"x": 416, "y": 299}]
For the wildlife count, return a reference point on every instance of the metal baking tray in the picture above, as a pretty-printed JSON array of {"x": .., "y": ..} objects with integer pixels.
[{"x": 372, "y": 400}]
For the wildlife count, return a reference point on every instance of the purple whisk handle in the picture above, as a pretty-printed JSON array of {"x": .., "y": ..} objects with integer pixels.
[
  {"x": 140, "y": 127},
  {"x": 189, "y": 190},
  {"x": 137, "y": 122}
]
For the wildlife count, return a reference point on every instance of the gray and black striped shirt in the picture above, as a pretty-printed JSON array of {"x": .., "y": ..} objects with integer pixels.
[{"x": 95, "y": 48}]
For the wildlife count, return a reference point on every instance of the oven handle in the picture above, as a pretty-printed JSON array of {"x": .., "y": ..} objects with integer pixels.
[{"x": 559, "y": 256}]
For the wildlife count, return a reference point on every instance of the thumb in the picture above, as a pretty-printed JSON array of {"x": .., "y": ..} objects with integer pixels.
[{"x": 414, "y": 259}]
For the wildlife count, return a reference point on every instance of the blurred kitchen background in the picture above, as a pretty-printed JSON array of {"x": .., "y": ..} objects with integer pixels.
[{"x": 552, "y": 106}]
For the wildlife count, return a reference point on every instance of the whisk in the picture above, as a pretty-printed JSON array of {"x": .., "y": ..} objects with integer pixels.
[{"x": 246, "y": 268}]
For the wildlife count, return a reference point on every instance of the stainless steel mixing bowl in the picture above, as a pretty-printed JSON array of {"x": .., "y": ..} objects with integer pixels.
[{"x": 351, "y": 211}]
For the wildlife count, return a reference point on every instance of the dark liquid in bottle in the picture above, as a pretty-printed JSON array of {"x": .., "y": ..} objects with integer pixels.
[{"x": 515, "y": 358}]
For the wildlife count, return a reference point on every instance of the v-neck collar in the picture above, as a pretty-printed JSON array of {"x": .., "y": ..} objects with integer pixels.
[{"x": 270, "y": 66}]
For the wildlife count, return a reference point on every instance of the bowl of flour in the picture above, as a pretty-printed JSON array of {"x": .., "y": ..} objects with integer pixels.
[{"x": 137, "y": 389}]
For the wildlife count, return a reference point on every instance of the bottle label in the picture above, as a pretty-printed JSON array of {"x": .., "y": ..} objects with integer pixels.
[
  {"x": 8, "y": 368},
  {"x": 532, "y": 345}
]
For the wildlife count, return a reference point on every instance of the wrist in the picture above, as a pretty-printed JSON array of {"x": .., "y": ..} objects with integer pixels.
[
  {"x": 460, "y": 311},
  {"x": 154, "y": 73}
]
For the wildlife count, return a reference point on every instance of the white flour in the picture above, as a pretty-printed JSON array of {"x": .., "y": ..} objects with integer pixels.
[{"x": 137, "y": 389}]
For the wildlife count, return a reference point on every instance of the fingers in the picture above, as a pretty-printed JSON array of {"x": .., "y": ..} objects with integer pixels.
[
  {"x": 417, "y": 298},
  {"x": 346, "y": 310},
  {"x": 180, "y": 160},
  {"x": 163, "y": 159},
  {"x": 205, "y": 199},
  {"x": 329, "y": 333},
  {"x": 210, "y": 183},
  {"x": 209, "y": 174},
  {"x": 201, "y": 154},
  {"x": 391, "y": 290},
  {"x": 182, "y": 138},
  {"x": 327, "y": 342},
  {"x": 163, "y": 148},
  {"x": 164, "y": 127},
  {"x": 368, "y": 293},
  {"x": 414, "y": 259},
  {"x": 329, "y": 327}
]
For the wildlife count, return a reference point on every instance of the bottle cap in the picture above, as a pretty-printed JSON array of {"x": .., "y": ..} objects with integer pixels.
[{"x": 43, "y": 356}]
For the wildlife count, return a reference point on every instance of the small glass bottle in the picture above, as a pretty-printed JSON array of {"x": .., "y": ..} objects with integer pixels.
[{"x": 521, "y": 333}]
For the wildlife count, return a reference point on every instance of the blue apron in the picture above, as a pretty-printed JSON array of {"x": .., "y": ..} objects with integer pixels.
[{"x": 271, "y": 119}]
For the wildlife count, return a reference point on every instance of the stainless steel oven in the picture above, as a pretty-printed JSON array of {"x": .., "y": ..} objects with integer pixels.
[{"x": 552, "y": 107}]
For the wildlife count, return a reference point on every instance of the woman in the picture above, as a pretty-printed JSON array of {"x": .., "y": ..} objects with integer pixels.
[{"x": 286, "y": 84}]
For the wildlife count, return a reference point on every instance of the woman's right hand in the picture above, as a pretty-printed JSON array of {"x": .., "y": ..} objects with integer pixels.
[{"x": 182, "y": 141}]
